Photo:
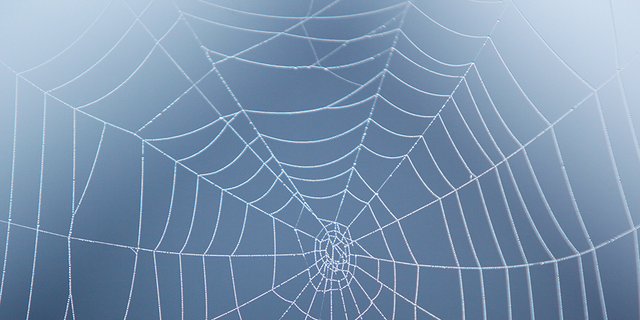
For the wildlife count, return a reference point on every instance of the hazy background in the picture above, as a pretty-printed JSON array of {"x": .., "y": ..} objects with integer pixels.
[{"x": 319, "y": 159}]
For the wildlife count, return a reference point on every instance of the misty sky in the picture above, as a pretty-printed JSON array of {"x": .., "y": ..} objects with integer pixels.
[{"x": 319, "y": 159}]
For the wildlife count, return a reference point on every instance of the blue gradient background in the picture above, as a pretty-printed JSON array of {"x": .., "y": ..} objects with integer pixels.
[{"x": 483, "y": 154}]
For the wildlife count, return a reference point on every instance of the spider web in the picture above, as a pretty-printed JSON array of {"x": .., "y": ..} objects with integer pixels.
[{"x": 322, "y": 159}]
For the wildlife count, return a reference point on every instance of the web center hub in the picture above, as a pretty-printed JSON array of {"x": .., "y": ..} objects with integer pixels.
[{"x": 333, "y": 258}]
